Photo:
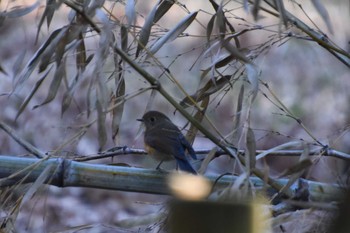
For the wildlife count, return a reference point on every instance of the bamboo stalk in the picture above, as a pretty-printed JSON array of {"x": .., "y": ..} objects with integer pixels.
[{"x": 68, "y": 173}]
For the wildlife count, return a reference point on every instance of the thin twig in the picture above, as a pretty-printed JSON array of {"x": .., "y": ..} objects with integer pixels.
[{"x": 26, "y": 145}]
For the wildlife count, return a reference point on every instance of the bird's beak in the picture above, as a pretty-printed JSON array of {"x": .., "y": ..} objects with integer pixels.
[{"x": 140, "y": 120}]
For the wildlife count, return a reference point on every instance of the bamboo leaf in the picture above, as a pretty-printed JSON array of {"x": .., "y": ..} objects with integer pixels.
[
  {"x": 55, "y": 84},
  {"x": 2, "y": 70},
  {"x": 31, "y": 94},
  {"x": 101, "y": 123},
  {"x": 124, "y": 38},
  {"x": 237, "y": 118},
  {"x": 234, "y": 51},
  {"x": 81, "y": 54},
  {"x": 50, "y": 45},
  {"x": 252, "y": 75},
  {"x": 208, "y": 89},
  {"x": 18, "y": 63},
  {"x": 250, "y": 148},
  {"x": 191, "y": 134},
  {"x": 255, "y": 10},
  {"x": 210, "y": 26},
  {"x": 146, "y": 30},
  {"x": 282, "y": 11},
  {"x": 68, "y": 95},
  {"x": 50, "y": 9},
  {"x": 20, "y": 11},
  {"x": 220, "y": 21},
  {"x": 130, "y": 12},
  {"x": 173, "y": 33},
  {"x": 163, "y": 8},
  {"x": 324, "y": 14},
  {"x": 119, "y": 109},
  {"x": 210, "y": 156}
]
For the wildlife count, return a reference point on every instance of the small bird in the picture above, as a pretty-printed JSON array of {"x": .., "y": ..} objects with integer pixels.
[{"x": 164, "y": 141}]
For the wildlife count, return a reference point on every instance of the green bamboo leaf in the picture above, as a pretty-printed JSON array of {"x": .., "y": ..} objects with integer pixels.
[{"x": 173, "y": 33}]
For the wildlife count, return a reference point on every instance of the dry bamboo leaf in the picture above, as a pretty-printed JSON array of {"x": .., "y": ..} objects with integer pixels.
[
  {"x": 237, "y": 118},
  {"x": 279, "y": 147},
  {"x": 2, "y": 70},
  {"x": 250, "y": 148},
  {"x": 282, "y": 11},
  {"x": 20, "y": 11},
  {"x": 146, "y": 30},
  {"x": 299, "y": 167},
  {"x": 55, "y": 84},
  {"x": 81, "y": 54},
  {"x": 221, "y": 21},
  {"x": 234, "y": 51},
  {"x": 101, "y": 123},
  {"x": 214, "y": 5},
  {"x": 31, "y": 94},
  {"x": 124, "y": 38},
  {"x": 53, "y": 38},
  {"x": 46, "y": 52},
  {"x": 255, "y": 10},
  {"x": 50, "y": 8},
  {"x": 163, "y": 8},
  {"x": 68, "y": 95},
  {"x": 252, "y": 75},
  {"x": 130, "y": 12},
  {"x": 296, "y": 171},
  {"x": 173, "y": 33},
  {"x": 44, "y": 176},
  {"x": 210, "y": 27},
  {"x": 210, "y": 156},
  {"x": 119, "y": 109},
  {"x": 324, "y": 14},
  {"x": 208, "y": 89},
  {"x": 191, "y": 134},
  {"x": 18, "y": 63}
]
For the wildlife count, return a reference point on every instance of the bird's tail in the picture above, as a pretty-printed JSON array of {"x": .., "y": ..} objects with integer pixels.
[{"x": 184, "y": 165}]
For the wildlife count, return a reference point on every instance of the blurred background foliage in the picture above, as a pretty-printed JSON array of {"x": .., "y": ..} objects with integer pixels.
[{"x": 66, "y": 89}]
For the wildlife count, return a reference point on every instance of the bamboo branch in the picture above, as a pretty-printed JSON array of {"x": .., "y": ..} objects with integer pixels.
[{"x": 68, "y": 173}]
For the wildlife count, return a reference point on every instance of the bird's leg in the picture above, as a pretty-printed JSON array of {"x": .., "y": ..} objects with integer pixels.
[{"x": 158, "y": 168}]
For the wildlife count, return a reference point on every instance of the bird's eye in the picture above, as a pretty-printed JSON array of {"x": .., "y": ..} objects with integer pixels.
[{"x": 152, "y": 119}]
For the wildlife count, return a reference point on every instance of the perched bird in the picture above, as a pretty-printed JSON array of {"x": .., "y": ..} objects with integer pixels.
[{"x": 164, "y": 141}]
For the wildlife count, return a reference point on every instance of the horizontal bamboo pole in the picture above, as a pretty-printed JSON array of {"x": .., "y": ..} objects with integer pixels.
[{"x": 68, "y": 173}]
